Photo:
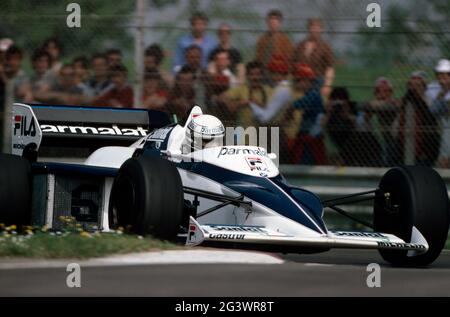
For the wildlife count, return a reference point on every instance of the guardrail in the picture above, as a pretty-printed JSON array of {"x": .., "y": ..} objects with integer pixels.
[
  {"x": 325, "y": 181},
  {"x": 332, "y": 181}
]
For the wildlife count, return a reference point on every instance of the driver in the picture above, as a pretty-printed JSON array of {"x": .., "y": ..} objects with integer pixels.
[{"x": 204, "y": 131}]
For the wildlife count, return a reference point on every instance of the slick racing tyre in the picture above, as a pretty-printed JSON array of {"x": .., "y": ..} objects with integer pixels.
[
  {"x": 15, "y": 190},
  {"x": 147, "y": 195},
  {"x": 418, "y": 198}
]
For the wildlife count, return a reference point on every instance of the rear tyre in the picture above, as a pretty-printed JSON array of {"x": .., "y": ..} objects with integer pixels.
[
  {"x": 147, "y": 195},
  {"x": 15, "y": 190},
  {"x": 420, "y": 199}
]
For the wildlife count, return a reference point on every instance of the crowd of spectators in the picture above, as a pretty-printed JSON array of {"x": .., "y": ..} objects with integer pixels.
[{"x": 283, "y": 84}]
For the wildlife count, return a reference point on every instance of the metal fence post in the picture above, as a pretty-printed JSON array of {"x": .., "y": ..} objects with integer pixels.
[
  {"x": 410, "y": 135},
  {"x": 7, "y": 116},
  {"x": 138, "y": 52}
]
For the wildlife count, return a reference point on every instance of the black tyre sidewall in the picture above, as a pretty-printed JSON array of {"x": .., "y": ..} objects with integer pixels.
[
  {"x": 15, "y": 190},
  {"x": 157, "y": 208},
  {"x": 422, "y": 196}
]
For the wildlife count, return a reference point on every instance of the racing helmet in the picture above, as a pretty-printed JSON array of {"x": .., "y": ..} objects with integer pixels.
[{"x": 204, "y": 131}]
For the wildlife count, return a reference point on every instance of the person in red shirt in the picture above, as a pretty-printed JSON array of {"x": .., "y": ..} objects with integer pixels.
[
  {"x": 121, "y": 95},
  {"x": 155, "y": 95}
]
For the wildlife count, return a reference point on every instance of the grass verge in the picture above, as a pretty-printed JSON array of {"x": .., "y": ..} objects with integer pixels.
[
  {"x": 44, "y": 245},
  {"x": 39, "y": 243}
]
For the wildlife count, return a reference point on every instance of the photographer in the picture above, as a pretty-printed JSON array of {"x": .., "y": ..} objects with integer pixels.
[
  {"x": 425, "y": 126},
  {"x": 385, "y": 110},
  {"x": 341, "y": 123}
]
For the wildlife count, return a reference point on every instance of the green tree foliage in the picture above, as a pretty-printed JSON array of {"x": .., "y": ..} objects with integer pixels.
[
  {"x": 440, "y": 26},
  {"x": 391, "y": 44},
  {"x": 104, "y": 24}
]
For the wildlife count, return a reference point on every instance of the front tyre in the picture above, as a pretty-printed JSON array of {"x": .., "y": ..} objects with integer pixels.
[
  {"x": 418, "y": 197},
  {"x": 147, "y": 195}
]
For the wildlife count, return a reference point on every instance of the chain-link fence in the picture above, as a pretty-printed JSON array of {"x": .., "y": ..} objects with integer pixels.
[{"x": 342, "y": 93}]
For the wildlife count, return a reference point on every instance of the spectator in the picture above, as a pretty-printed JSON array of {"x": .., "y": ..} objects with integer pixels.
[
  {"x": 114, "y": 57},
  {"x": 153, "y": 59},
  {"x": 274, "y": 41},
  {"x": 236, "y": 66},
  {"x": 217, "y": 85},
  {"x": 182, "y": 96},
  {"x": 315, "y": 52},
  {"x": 425, "y": 126},
  {"x": 385, "y": 108},
  {"x": 341, "y": 123},
  {"x": 193, "y": 58},
  {"x": 13, "y": 71},
  {"x": 155, "y": 94},
  {"x": 198, "y": 37},
  {"x": 62, "y": 91},
  {"x": 254, "y": 91},
  {"x": 121, "y": 95},
  {"x": 308, "y": 147},
  {"x": 278, "y": 111},
  {"x": 193, "y": 61},
  {"x": 81, "y": 68},
  {"x": 99, "y": 83},
  {"x": 5, "y": 44},
  {"x": 40, "y": 61},
  {"x": 220, "y": 65},
  {"x": 53, "y": 47},
  {"x": 438, "y": 97},
  {"x": 282, "y": 93},
  {"x": 371, "y": 153},
  {"x": 351, "y": 131}
]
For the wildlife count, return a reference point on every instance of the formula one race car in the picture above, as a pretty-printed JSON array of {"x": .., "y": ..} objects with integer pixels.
[{"x": 157, "y": 178}]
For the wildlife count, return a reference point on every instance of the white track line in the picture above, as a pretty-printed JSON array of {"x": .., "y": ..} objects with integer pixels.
[{"x": 152, "y": 258}]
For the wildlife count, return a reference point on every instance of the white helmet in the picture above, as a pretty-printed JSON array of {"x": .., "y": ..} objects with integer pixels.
[
  {"x": 204, "y": 131},
  {"x": 443, "y": 66}
]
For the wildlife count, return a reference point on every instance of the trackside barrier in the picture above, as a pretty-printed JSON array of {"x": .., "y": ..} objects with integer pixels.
[{"x": 332, "y": 181}]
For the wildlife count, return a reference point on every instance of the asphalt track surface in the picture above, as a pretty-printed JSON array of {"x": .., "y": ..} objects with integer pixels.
[{"x": 334, "y": 273}]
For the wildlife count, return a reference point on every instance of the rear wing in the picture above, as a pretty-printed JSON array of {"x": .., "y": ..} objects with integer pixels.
[{"x": 57, "y": 130}]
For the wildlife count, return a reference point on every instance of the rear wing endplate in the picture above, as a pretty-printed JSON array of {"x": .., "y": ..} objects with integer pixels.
[{"x": 52, "y": 127}]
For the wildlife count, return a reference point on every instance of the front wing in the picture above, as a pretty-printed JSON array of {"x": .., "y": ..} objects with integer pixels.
[{"x": 258, "y": 236}]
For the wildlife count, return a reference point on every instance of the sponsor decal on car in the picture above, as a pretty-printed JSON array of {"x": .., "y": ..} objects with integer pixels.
[
  {"x": 241, "y": 151},
  {"x": 113, "y": 130},
  {"x": 256, "y": 164},
  {"x": 19, "y": 146},
  {"x": 226, "y": 236},
  {"x": 192, "y": 229},
  {"x": 400, "y": 245},
  {"x": 238, "y": 228},
  {"x": 360, "y": 234},
  {"x": 205, "y": 129},
  {"x": 23, "y": 126},
  {"x": 159, "y": 135}
]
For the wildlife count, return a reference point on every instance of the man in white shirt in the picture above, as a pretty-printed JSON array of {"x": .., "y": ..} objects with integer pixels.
[
  {"x": 438, "y": 97},
  {"x": 282, "y": 94}
]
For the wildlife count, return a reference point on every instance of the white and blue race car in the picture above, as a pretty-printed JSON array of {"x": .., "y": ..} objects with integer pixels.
[{"x": 132, "y": 173}]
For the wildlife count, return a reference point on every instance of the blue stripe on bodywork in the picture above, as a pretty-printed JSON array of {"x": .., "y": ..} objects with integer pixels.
[
  {"x": 261, "y": 190},
  {"x": 309, "y": 201},
  {"x": 73, "y": 169}
]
